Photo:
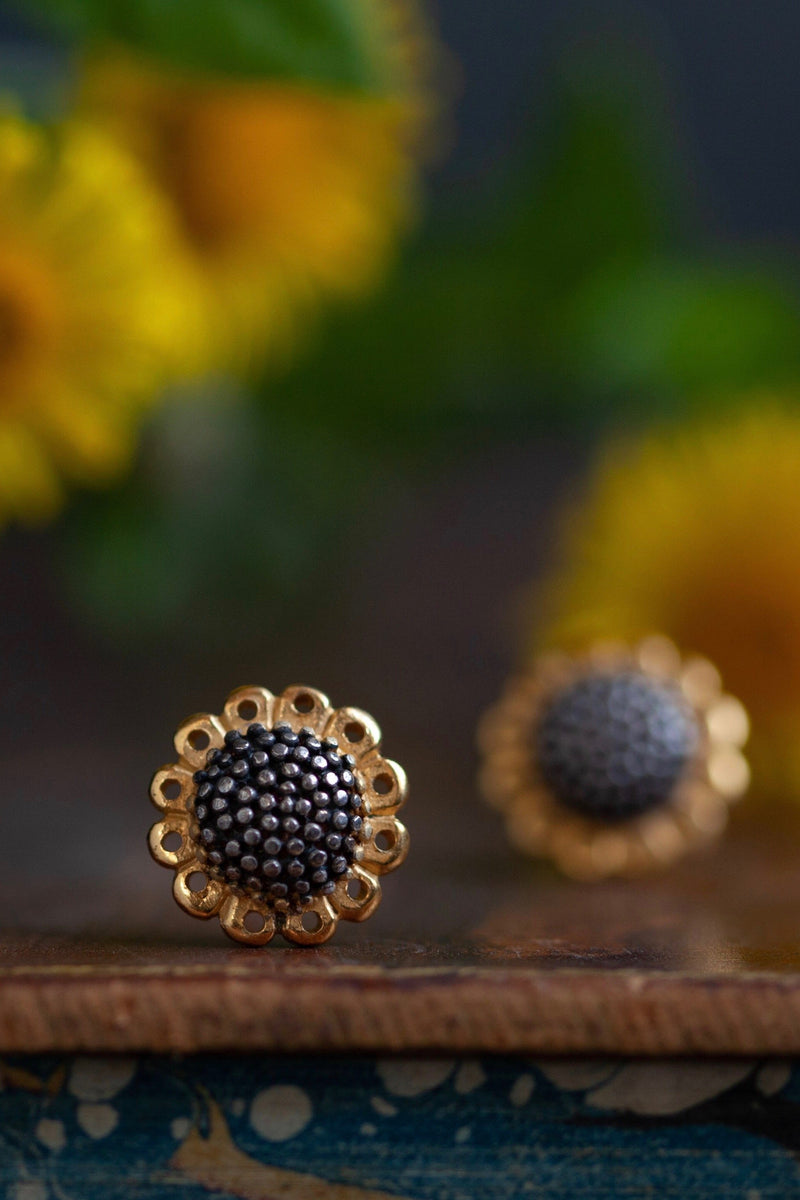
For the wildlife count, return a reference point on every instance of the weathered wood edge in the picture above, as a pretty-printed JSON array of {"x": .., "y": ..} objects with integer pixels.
[{"x": 189, "y": 1010}]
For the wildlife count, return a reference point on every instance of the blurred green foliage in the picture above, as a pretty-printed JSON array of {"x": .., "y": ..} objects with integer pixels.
[
  {"x": 577, "y": 288},
  {"x": 333, "y": 43}
]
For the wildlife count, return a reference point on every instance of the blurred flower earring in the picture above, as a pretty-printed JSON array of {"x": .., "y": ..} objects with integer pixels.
[
  {"x": 617, "y": 762},
  {"x": 279, "y": 816}
]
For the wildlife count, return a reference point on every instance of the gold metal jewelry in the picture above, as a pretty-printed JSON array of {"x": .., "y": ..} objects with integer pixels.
[
  {"x": 615, "y": 762},
  {"x": 279, "y": 815}
]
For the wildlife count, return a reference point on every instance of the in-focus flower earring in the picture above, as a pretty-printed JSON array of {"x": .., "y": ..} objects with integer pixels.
[
  {"x": 615, "y": 762},
  {"x": 279, "y": 815}
]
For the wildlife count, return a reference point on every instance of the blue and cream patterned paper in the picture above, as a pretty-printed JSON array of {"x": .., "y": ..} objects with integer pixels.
[{"x": 271, "y": 1128}]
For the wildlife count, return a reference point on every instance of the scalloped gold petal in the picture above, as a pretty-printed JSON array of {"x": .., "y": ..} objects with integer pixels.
[
  {"x": 295, "y": 931},
  {"x": 659, "y": 657},
  {"x": 356, "y": 732},
  {"x": 233, "y": 917},
  {"x": 381, "y": 860},
  {"x": 386, "y": 785},
  {"x": 171, "y": 788},
  {"x": 299, "y": 706},
  {"x": 364, "y": 902},
  {"x": 196, "y": 736},
  {"x": 247, "y": 704},
  {"x": 700, "y": 682},
  {"x": 728, "y": 771},
  {"x": 727, "y": 721},
  {"x": 177, "y": 823},
  {"x": 204, "y": 903}
]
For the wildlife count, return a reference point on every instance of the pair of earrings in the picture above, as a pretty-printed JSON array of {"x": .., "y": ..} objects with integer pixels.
[{"x": 280, "y": 813}]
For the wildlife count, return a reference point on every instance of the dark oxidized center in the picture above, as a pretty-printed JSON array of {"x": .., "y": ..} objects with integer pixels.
[
  {"x": 278, "y": 813},
  {"x": 613, "y": 746}
]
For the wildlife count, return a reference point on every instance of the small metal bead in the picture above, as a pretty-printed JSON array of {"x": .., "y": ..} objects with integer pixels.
[
  {"x": 270, "y": 823},
  {"x": 327, "y": 888},
  {"x": 294, "y": 846},
  {"x": 309, "y": 783},
  {"x": 233, "y": 849},
  {"x": 245, "y": 815},
  {"x": 278, "y": 889},
  {"x": 255, "y": 730},
  {"x": 208, "y": 836},
  {"x": 215, "y": 858},
  {"x": 266, "y": 801},
  {"x": 295, "y": 869},
  {"x": 213, "y": 772},
  {"x": 319, "y": 877},
  {"x": 288, "y": 789},
  {"x": 338, "y": 865},
  {"x": 219, "y": 804},
  {"x": 322, "y": 816},
  {"x": 333, "y": 841},
  {"x": 231, "y": 736},
  {"x": 252, "y": 837},
  {"x": 204, "y": 791},
  {"x": 240, "y": 769},
  {"x": 259, "y": 759},
  {"x": 278, "y": 752},
  {"x": 339, "y": 820},
  {"x": 247, "y": 795},
  {"x": 290, "y": 770},
  {"x": 313, "y": 832},
  {"x": 286, "y": 805},
  {"x": 224, "y": 822},
  {"x": 302, "y": 887},
  {"x": 317, "y": 858},
  {"x": 273, "y": 845},
  {"x": 201, "y": 811},
  {"x": 330, "y": 779},
  {"x": 225, "y": 785},
  {"x": 249, "y": 862},
  {"x": 302, "y": 807},
  {"x": 319, "y": 763},
  {"x": 291, "y": 824},
  {"x": 271, "y": 868},
  {"x": 330, "y": 743},
  {"x": 266, "y": 779}
]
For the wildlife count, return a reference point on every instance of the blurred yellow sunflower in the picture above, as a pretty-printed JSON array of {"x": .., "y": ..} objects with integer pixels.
[
  {"x": 95, "y": 309},
  {"x": 696, "y": 533},
  {"x": 288, "y": 194}
]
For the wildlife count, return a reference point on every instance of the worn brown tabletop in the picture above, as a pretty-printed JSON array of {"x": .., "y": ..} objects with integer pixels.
[{"x": 705, "y": 960}]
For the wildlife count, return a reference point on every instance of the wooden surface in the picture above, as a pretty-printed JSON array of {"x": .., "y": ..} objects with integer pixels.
[{"x": 703, "y": 961}]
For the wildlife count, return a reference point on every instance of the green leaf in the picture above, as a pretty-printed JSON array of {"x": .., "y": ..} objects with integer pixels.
[
  {"x": 332, "y": 43},
  {"x": 684, "y": 328}
]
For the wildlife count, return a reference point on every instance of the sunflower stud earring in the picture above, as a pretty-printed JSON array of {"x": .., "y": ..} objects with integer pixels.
[
  {"x": 279, "y": 816},
  {"x": 615, "y": 762}
]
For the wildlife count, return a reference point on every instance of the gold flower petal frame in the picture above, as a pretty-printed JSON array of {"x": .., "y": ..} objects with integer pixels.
[
  {"x": 254, "y": 918},
  {"x": 590, "y": 849}
]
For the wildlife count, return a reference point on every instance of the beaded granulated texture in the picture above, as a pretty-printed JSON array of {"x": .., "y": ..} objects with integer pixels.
[
  {"x": 613, "y": 746},
  {"x": 278, "y": 813}
]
